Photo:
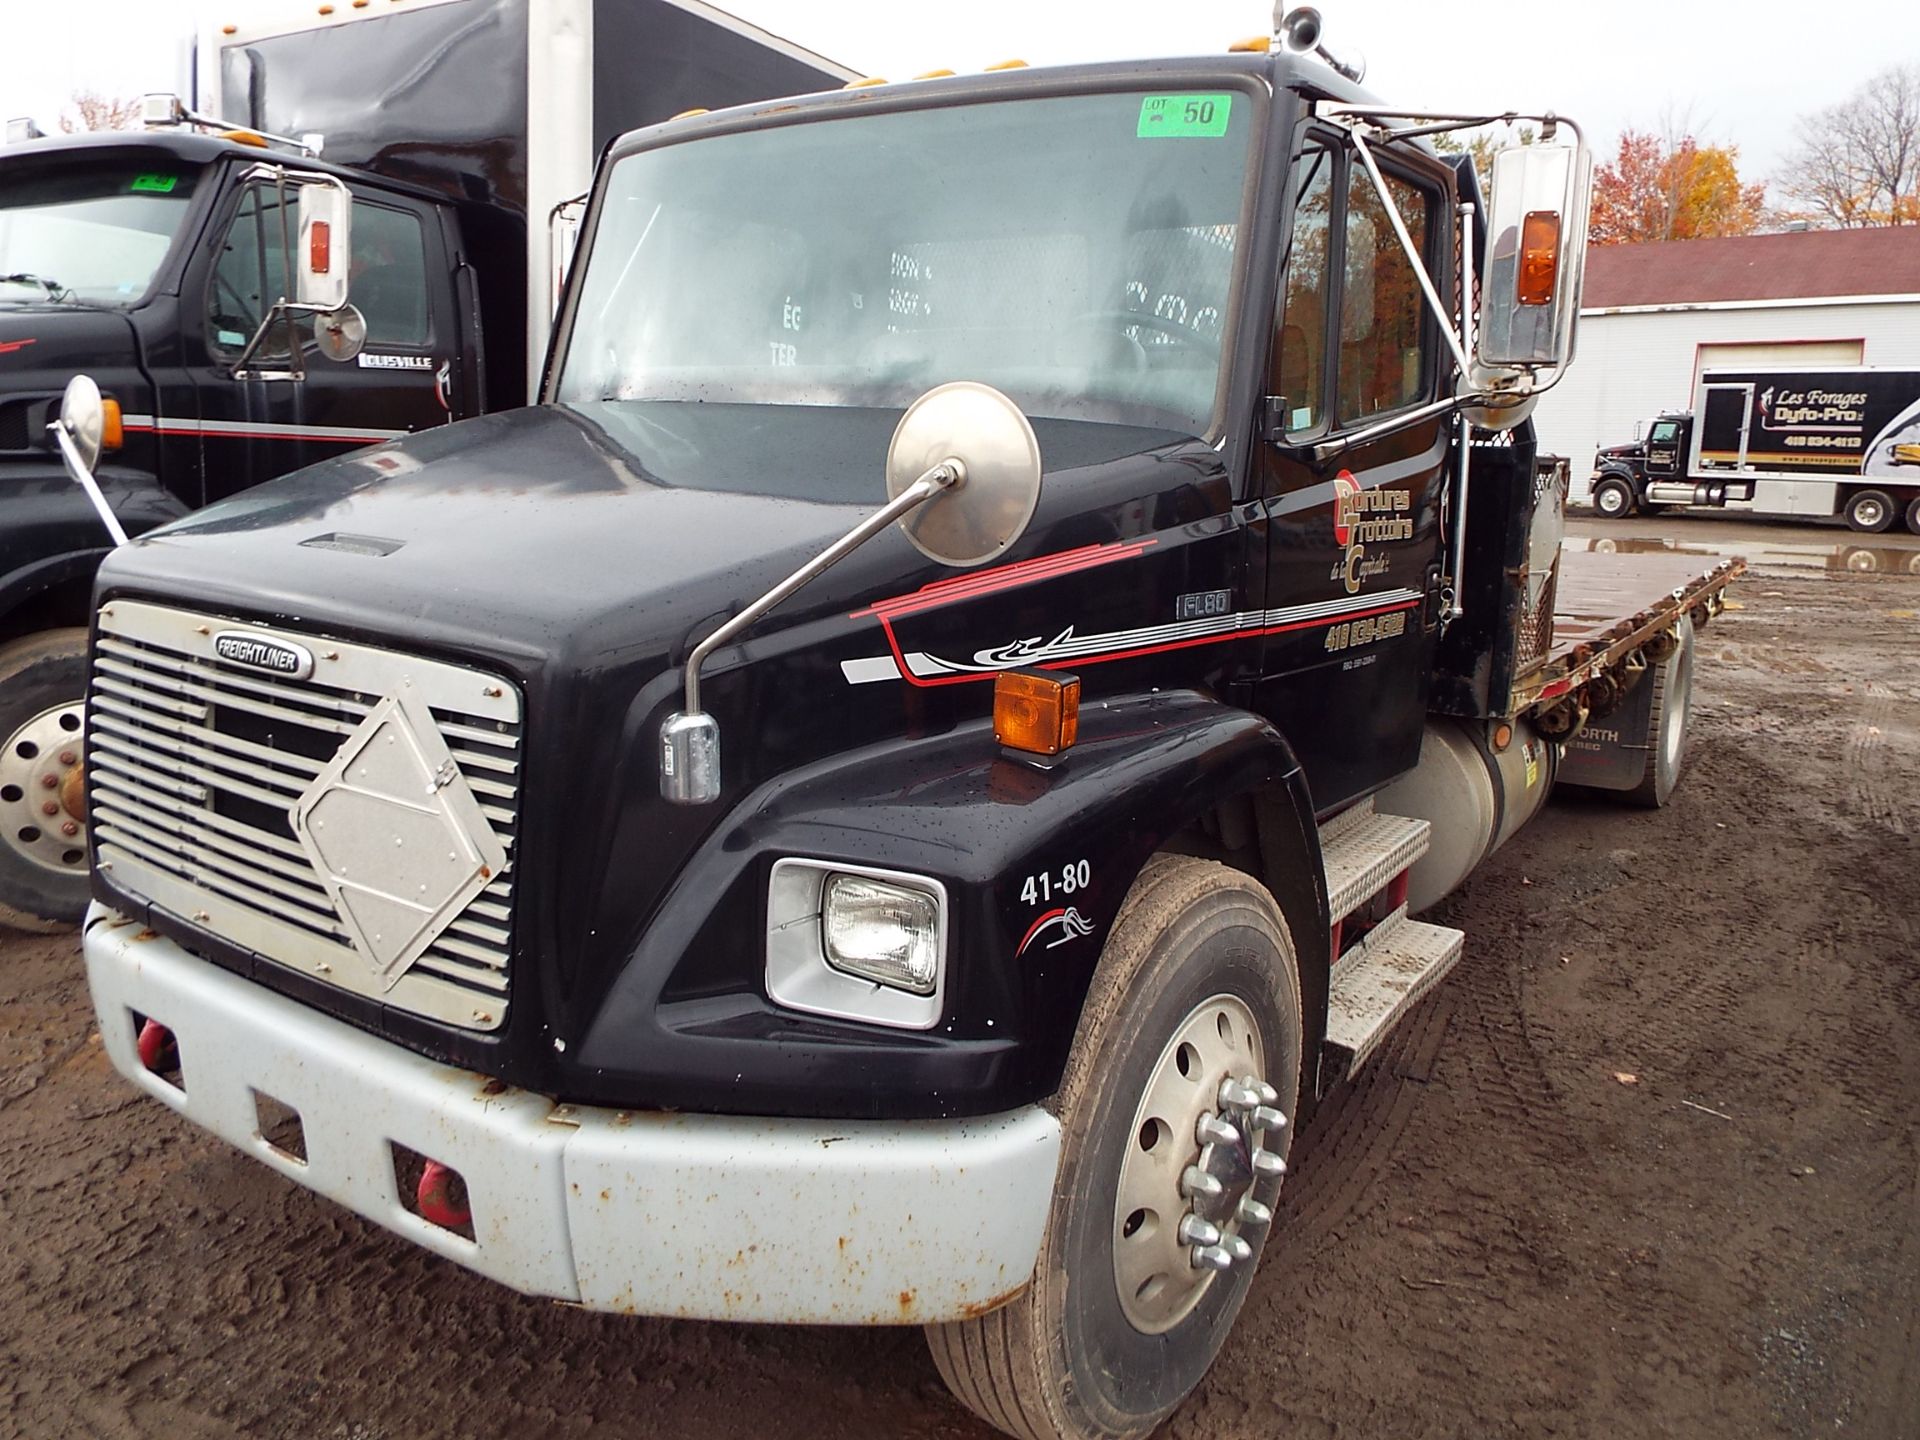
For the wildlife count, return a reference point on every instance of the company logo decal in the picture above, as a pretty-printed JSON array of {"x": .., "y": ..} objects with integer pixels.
[
  {"x": 1057, "y": 927},
  {"x": 1362, "y": 516},
  {"x": 257, "y": 652}
]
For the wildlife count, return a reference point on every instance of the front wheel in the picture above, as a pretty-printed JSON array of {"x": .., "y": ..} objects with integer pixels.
[
  {"x": 1869, "y": 511},
  {"x": 43, "y": 813},
  {"x": 1613, "y": 498},
  {"x": 1175, "y": 1106}
]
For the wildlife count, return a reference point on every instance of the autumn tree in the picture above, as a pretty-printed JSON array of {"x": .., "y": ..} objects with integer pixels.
[
  {"x": 94, "y": 111},
  {"x": 1660, "y": 188},
  {"x": 1858, "y": 162}
]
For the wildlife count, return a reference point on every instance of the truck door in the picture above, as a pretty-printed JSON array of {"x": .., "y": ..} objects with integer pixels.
[
  {"x": 1663, "y": 448},
  {"x": 1354, "y": 532},
  {"x": 256, "y": 428}
]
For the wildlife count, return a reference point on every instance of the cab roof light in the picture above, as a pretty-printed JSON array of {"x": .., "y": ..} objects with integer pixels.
[
  {"x": 1036, "y": 711},
  {"x": 689, "y": 114},
  {"x": 244, "y": 137},
  {"x": 934, "y": 75},
  {"x": 1008, "y": 65},
  {"x": 864, "y": 81},
  {"x": 1252, "y": 45},
  {"x": 1539, "y": 257}
]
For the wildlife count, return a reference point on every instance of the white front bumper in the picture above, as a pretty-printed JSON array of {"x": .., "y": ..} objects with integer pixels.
[{"x": 702, "y": 1216}]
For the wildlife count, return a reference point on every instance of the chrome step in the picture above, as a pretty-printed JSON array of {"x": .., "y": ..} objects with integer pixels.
[
  {"x": 1377, "y": 982},
  {"x": 1362, "y": 850}
]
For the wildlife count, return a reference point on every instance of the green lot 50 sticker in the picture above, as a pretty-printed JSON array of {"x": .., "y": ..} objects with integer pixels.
[{"x": 1203, "y": 116}]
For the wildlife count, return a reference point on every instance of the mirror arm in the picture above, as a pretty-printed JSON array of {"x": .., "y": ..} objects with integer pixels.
[
  {"x": 946, "y": 474},
  {"x": 82, "y": 476},
  {"x": 1453, "y": 608},
  {"x": 1326, "y": 449}
]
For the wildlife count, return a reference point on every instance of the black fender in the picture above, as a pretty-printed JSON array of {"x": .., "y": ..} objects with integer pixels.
[
  {"x": 686, "y": 1024},
  {"x": 50, "y": 534}
]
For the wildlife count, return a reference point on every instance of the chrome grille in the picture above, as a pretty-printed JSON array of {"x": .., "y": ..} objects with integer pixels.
[{"x": 194, "y": 765}]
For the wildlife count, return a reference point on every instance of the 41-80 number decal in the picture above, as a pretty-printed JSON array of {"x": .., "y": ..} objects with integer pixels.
[{"x": 1069, "y": 879}]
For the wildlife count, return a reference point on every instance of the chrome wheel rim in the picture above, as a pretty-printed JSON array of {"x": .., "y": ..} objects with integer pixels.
[
  {"x": 42, "y": 815},
  {"x": 1870, "y": 513},
  {"x": 1612, "y": 502},
  {"x": 1192, "y": 1197}
]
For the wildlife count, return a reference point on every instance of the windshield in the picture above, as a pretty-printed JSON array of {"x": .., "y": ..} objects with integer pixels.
[
  {"x": 1077, "y": 252},
  {"x": 89, "y": 232}
]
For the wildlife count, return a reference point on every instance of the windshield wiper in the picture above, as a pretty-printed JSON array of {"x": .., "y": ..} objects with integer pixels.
[{"x": 55, "y": 290}]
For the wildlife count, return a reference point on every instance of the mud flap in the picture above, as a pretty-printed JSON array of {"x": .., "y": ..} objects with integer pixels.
[{"x": 1612, "y": 753}]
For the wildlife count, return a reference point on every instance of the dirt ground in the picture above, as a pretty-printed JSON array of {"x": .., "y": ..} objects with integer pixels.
[{"x": 1644, "y": 1166}]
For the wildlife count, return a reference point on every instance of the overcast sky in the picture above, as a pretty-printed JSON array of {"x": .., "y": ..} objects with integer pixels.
[{"x": 1743, "y": 68}]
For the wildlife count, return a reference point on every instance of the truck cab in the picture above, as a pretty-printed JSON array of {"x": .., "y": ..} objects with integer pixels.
[
  {"x": 1621, "y": 472},
  {"x": 887, "y": 796}
]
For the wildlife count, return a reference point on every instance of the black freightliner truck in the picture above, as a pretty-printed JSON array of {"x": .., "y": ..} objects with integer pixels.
[
  {"x": 152, "y": 261},
  {"x": 888, "y": 795}
]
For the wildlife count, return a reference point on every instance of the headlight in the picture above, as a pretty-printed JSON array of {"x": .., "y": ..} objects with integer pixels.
[
  {"x": 882, "y": 932},
  {"x": 857, "y": 942}
]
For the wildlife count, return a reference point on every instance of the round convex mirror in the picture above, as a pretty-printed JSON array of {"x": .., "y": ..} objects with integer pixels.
[
  {"x": 978, "y": 518},
  {"x": 84, "y": 415}
]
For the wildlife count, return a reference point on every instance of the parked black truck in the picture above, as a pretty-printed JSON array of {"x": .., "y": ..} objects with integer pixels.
[
  {"x": 153, "y": 261},
  {"x": 1793, "y": 442},
  {"x": 888, "y": 794}
]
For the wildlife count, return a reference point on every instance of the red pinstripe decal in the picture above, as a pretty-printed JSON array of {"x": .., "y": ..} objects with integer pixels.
[
  {"x": 1006, "y": 577},
  {"x": 928, "y": 682}
]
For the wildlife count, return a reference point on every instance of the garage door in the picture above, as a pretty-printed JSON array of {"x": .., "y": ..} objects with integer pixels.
[{"x": 1767, "y": 357}]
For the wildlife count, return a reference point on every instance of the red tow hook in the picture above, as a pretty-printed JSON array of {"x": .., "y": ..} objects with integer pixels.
[
  {"x": 434, "y": 1197},
  {"x": 157, "y": 1049}
]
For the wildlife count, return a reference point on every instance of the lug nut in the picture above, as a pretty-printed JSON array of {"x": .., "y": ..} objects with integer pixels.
[
  {"x": 1212, "y": 1130},
  {"x": 1268, "y": 1118},
  {"x": 1268, "y": 1095},
  {"x": 69, "y": 829},
  {"x": 1235, "y": 1096},
  {"x": 1211, "y": 1257},
  {"x": 1268, "y": 1164},
  {"x": 1252, "y": 1212},
  {"x": 1239, "y": 1249},
  {"x": 1196, "y": 1181},
  {"x": 50, "y": 808},
  {"x": 49, "y": 782},
  {"x": 67, "y": 757},
  {"x": 1195, "y": 1231}
]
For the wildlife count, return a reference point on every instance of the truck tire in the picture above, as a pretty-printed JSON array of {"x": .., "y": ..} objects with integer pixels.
[
  {"x": 1613, "y": 498},
  {"x": 1913, "y": 515},
  {"x": 1870, "y": 511},
  {"x": 43, "y": 857},
  {"x": 1668, "y": 724},
  {"x": 1197, "y": 992}
]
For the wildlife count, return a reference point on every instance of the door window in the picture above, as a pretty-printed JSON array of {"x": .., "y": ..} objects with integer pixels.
[
  {"x": 1381, "y": 311},
  {"x": 1664, "y": 433},
  {"x": 388, "y": 284},
  {"x": 1300, "y": 341}
]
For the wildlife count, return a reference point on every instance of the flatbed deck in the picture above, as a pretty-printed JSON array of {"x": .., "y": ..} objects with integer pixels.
[{"x": 1606, "y": 606}]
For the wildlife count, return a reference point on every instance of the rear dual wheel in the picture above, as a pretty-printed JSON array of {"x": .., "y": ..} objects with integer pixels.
[
  {"x": 1870, "y": 511},
  {"x": 1913, "y": 515},
  {"x": 1174, "y": 1107}
]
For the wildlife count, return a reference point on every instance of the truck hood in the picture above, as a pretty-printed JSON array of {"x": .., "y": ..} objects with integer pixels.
[
  {"x": 42, "y": 346},
  {"x": 568, "y": 536}
]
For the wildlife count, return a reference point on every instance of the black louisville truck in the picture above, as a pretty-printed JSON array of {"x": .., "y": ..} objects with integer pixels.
[
  {"x": 1805, "y": 443},
  {"x": 449, "y": 130},
  {"x": 887, "y": 796}
]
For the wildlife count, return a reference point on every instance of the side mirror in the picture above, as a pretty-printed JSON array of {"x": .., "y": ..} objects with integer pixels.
[
  {"x": 1536, "y": 257},
  {"x": 324, "y": 257},
  {"x": 977, "y": 518},
  {"x": 963, "y": 474},
  {"x": 80, "y": 432}
]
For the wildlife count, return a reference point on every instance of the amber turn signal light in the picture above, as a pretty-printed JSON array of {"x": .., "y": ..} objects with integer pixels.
[
  {"x": 112, "y": 432},
  {"x": 320, "y": 247},
  {"x": 1036, "y": 710},
  {"x": 1539, "y": 257}
]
